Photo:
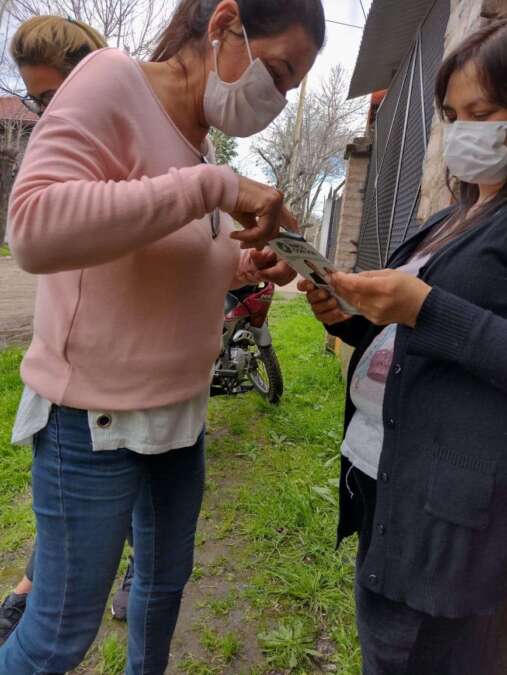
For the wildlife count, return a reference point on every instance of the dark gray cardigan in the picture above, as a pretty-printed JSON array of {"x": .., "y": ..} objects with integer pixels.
[{"x": 439, "y": 540}]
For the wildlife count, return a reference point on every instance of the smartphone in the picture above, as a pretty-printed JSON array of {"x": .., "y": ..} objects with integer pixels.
[{"x": 307, "y": 261}]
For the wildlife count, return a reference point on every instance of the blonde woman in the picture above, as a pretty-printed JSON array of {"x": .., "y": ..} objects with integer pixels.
[{"x": 45, "y": 49}]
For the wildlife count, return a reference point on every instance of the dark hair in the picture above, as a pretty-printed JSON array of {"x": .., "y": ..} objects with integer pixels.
[
  {"x": 487, "y": 50},
  {"x": 261, "y": 18}
]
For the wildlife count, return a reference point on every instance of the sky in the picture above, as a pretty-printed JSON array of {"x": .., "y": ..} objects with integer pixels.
[{"x": 342, "y": 46}]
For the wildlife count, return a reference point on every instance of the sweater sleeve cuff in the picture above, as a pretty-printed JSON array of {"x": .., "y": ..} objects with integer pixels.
[{"x": 444, "y": 326}]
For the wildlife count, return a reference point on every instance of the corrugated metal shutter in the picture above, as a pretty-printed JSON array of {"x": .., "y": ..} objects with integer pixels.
[{"x": 402, "y": 128}]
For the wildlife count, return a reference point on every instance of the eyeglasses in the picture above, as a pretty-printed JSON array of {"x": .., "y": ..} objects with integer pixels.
[
  {"x": 37, "y": 104},
  {"x": 214, "y": 215}
]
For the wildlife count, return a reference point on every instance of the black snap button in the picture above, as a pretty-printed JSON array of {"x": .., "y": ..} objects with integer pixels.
[
  {"x": 104, "y": 421},
  {"x": 397, "y": 369},
  {"x": 381, "y": 528},
  {"x": 384, "y": 477},
  {"x": 391, "y": 423},
  {"x": 373, "y": 579}
]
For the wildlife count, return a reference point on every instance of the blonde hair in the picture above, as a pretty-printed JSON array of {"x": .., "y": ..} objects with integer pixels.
[{"x": 54, "y": 41}]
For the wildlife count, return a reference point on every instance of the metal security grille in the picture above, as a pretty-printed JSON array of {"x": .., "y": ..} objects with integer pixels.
[{"x": 402, "y": 128}]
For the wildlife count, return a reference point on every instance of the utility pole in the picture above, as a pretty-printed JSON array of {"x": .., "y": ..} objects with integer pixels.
[
  {"x": 3, "y": 8},
  {"x": 298, "y": 129}
]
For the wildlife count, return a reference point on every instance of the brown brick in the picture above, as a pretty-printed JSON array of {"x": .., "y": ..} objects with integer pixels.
[{"x": 492, "y": 9}]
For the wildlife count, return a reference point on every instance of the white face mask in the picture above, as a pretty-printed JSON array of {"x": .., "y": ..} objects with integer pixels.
[
  {"x": 475, "y": 152},
  {"x": 245, "y": 107}
]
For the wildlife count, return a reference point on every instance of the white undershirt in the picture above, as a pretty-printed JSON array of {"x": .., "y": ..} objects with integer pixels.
[
  {"x": 365, "y": 434},
  {"x": 147, "y": 432}
]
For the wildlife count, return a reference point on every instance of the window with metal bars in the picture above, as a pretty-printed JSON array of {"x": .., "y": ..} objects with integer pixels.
[{"x": 401, "y": 132}]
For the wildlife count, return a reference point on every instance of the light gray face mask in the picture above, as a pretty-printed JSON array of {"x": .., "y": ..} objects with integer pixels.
[
  {"x": 475, "y": 152},
  {"x": 244, "y": 107}
]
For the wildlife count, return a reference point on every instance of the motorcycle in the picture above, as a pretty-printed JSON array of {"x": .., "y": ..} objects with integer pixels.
[{"x": 248, "y": 361}]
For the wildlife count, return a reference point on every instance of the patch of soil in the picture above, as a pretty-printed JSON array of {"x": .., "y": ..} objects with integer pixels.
[{"x": 218, "y": 578}]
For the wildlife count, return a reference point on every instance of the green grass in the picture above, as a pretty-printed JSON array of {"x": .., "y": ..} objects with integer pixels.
[
  {"x": 286, "y": 510},
  {"x": 223, "y": 647},
  {"x": 16, "y": 520},
  {"x": 193, "y": 666},
  {"x": 222, "y": 606},
  {"x": 290, "y": 645},
  {"x": 280, "y": 463},
  {"x": 112, "y": 655},
  {"x": 4, "y": 251}
]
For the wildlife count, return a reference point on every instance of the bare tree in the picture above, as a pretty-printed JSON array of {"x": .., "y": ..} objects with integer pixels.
[
  {"x": 329, "y": 121},
  {"x": 13, "y": 138},
  {"x": 3, "y": 9},
  {"x": 6, "y": 67},
  {"x": 133, "y": 25}
]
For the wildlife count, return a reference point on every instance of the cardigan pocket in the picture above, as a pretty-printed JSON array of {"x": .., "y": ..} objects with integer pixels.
[{"x": 460, "y": 489}]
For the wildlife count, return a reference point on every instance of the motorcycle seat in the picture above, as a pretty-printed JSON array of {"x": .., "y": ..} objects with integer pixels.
[
  {"x": 244, "y": 292},
  {"x": 233, "y": 298}
]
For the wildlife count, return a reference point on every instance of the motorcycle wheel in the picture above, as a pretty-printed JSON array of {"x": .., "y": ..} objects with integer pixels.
[{"x": 267, "y": 377}]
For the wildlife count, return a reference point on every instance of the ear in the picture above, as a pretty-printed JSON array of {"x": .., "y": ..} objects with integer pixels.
[{"x": 225, "y": 17}]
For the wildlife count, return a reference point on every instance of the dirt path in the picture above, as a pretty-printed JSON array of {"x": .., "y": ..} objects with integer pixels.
[
  {"x": 213, "y": 605},
  {"x": 217, "y": 630},
  {"x": 17, "y": 295},
  {"x": 213, "y": 600}
]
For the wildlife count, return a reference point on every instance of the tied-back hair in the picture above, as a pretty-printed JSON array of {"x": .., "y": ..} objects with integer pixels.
[
  {"x": 54, "y": 41},
  {"x": 486, "y": 49},
  {"x": 261, "y": 18}
]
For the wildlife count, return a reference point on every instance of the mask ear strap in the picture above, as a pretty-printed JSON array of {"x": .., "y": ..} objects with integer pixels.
[
  {"x": 216, "y": 46},
  {"x": 247, "y": 41}
]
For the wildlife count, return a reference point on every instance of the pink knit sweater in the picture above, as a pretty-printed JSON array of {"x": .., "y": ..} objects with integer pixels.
[{"x": 110, "y": 209}]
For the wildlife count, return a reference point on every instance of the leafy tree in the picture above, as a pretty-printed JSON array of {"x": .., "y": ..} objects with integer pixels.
[{"x": 225, "y": 146}]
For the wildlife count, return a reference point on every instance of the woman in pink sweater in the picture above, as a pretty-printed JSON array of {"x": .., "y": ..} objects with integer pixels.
[{"x": 129, "y": 229}]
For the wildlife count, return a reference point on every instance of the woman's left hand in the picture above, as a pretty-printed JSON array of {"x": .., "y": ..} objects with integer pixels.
[
  {"x": 383, "y": 296},
  {"x": 271, "y": 268}
]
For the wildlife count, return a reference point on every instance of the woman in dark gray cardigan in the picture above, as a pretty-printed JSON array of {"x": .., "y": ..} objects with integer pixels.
[{"x": 424, "y": 458}]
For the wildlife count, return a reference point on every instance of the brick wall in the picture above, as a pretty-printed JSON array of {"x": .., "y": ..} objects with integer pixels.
[
  {"x": 358, "y": 157},
  {"x": 494, "y": 8}
]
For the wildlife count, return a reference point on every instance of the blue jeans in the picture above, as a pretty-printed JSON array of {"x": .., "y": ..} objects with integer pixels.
[{"x": 84, "y": 503}]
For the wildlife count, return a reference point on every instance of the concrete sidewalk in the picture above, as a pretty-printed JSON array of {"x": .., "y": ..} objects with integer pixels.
[
  {"x": 289, "y": 291},
  {"x": 17, "y": 297}
]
